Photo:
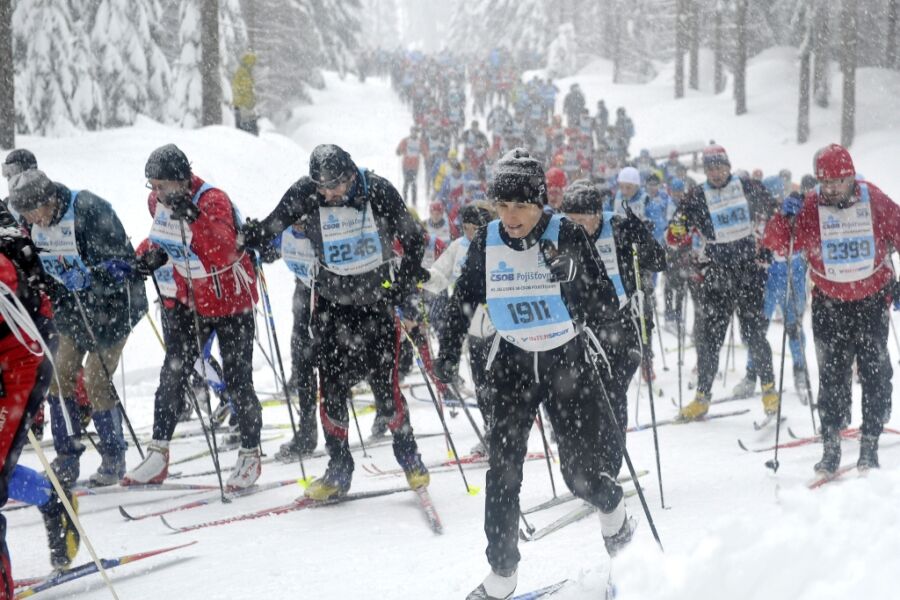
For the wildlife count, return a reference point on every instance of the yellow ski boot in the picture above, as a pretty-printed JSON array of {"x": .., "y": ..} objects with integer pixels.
[
  {"x": 696, "y": 409},
  {"x": 334, "y": 484},
  {"x": 770, "y": 398}
]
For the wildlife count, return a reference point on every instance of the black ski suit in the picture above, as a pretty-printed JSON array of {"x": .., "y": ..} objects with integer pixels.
[{"x": 563, "y": 378}]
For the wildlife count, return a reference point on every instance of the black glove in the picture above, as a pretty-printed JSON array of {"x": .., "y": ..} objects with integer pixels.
[
  {"x": 445, "y": 370},
  {"x": 563, "y": 269},
  {"x": 183, "y": 207},
  {"x": 254, "y": 235},
  {"x": 150, "y": 261},
  {"x": 631, "y": 227}
]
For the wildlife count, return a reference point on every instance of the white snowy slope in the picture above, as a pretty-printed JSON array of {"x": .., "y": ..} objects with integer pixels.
[{"x": 734, "y": 529}]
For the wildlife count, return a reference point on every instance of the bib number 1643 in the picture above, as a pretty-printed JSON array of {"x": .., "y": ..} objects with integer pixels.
[{"x": 526, "y": 312}]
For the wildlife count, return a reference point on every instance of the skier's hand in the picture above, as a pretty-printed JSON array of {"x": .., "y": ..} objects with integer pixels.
[
  {"x": 791, "y": 205},
  {"x": 563, "y": 269},
  {"x": 253, "y": 234},
  {"x": 150, "y": 261},
  {"x": 895, "y": 293},
  {"x": 183, "y": 207},
  {"x": 678, "y": 229},
  {"x": 117, "y": 268},
  {"x": 445, "y": 370},
  {"x": 76, "y": 280}
]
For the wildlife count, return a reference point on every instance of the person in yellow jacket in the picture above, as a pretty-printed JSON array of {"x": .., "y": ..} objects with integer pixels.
[{"x": 243, "y": 95}]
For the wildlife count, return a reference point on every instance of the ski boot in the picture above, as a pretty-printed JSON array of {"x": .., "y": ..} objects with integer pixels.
[
  {"x": 67, "y": 463},
  {"x": 831, "y": 453},
  {"x": 498, "y": 585},
  {"x": 745, "y": 387},
  {"x": 112, "y": 448},
  {"x": 246, "y": 471},
  {"x": 303, "y": 444},
  {"x": 334, "y": 484},
  {"x": 417, "y": 475},
  {"x": 868, "y": 453},
  {"x": 697, "y": 409},
  {"x": 62, "y": 535},
  {"x": 153, "y": 469},
  {"x": 379, "y": 426},
  {"x": 617, "y": 528},
  {"x": 769, "y": 398},
  {"x": 479, "y": 449},
  {"x": 647, "y": 372},
  {"x": 800, "y": 383}
]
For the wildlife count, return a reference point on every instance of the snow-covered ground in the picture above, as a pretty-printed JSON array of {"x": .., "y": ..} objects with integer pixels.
[{"x": 733, "y": 529}]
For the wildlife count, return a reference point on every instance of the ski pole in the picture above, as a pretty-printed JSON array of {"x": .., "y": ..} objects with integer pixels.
[
  {"x": 620, "y": 439},
  {"x": 421, "y": 364},
  {"x": 773, "y": 462},
  {"x": 270, "y": 324},
  {"x": 540, "y": 422},
  {"x": 211, "y": 437},
  {"x": 156, "y": 330},
  {"x": 682, "y": 315},
  {"x": 662, "y": 350},
  {"x": 645, "y": 340},
  {"x": 794, "y": 302},
  {"x": 362, "y": 443},
  {"x": 109, "y": 377}
]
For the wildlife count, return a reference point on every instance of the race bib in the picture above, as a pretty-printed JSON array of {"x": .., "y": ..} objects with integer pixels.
[
  {"x": 606, "y": 248},
  {"x": 165, "y": 279},
  {"x": 848, "y": 240},
  {"x": 298, "y": 254},
  {"x": 729, "y": 211},
  {"x": 166, "y": 232},
  {"x": 350, "y": 240},
  {"x": 57, "y": 245}
]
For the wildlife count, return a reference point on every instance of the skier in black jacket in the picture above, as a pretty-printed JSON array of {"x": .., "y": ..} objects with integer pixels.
[
  {"x": 616, "y": 238},
  {"x": 353, "y": 219},
  {"x": 542, "y": 281}
]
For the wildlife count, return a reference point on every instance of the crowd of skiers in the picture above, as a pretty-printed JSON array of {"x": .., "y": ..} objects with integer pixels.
[{"x": 546, "y": 270}]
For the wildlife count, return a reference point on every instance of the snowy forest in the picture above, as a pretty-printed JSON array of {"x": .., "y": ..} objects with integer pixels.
[{"x": 68, "y": 65}]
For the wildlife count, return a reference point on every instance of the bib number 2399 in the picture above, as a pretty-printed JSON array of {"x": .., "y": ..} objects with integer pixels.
[
  {"x": 848, "y": 250},
  {"x": 526, "y": 312}
]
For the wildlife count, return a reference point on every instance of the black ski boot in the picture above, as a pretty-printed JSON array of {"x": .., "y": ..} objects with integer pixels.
[
  {"x": 831, "y": 453},
  {"x": 868, "y": 453},
  {"x": 62, "y": 536}
]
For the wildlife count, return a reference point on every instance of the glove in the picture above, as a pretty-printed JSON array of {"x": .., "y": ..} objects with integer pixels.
[
  {"x": 792, "y": 205},
  {"x": 422, "y": 275},
  {"x": 678, "y": 229},
  {"x": 396, "y": 293},
  {"x": 150, "y": 261},
  {"x": 76, "y": 280},
  {"x": 563, "y": 269},
  {"x": 632, "y": 227},
  {"x": 253, "y": 234},
  {"x": 183, "y": 208},
  {"x": 117, "y": 268},
  {"x": 445, "y": 370}
]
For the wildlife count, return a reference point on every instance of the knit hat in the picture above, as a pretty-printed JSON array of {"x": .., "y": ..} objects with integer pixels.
[
  {"x": 329, "y": 163},
  {"x": 29, "y": 190},
  {"x": 518, "y": 178},
  {"x": 629, "y": 175},
  {"x": 168, "y": 163},
  {"x": 556, "y": 178},
  {"x": 834, "y": 162},
  {"x": 474, "y": 215},
  {"x": 807, "y": 183},
  {"x": 18, "y": 161},
  {"x": 715, "y": 155},
  {"x": 582, "y": 198}
]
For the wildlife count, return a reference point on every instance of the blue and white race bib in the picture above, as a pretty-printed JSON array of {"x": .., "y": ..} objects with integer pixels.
[
  {"x": 464, "y": 244},
  {"x": 606, "y": 248},
  {"x": 166, "y": 232},
  {"x": 165, "y": 279},
  {"x": 57, "y": 245},
  {"x": 350, "y": 240},
  {"x": 848, "y": 240},
  {"x": 729, "y": 211},
  {"x": 525, "y": 306},
  {"x": 298, "y": 254}
]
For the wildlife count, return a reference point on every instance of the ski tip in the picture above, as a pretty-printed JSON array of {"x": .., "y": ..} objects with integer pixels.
[
  {"x": 169, "y": 525},
  {"x": 743, "y": 447},
  {"x": 141, "y": 555},
  {"x": 125, "y": 514}
]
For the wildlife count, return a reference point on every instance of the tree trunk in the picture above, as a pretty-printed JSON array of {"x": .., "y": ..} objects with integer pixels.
[
  {"x": 890, "y": 53},
  {"x": 719, "y": 72},
  {"x": 694, "y": 24},
  {"x": 680, "y": 47},
  {"x": 820, "y": 72},
  {"x": 211, "y": 105},
  {"x": 803, "y": 109},
  {"x": 740, "y": 63},
  {"x": 848, "y": 68},
  {"x": 617, "y": 40},
  {"x": 7, "y": 78}
]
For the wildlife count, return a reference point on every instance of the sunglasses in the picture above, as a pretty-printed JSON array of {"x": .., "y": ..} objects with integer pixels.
[{"x": 333, "y": 184}]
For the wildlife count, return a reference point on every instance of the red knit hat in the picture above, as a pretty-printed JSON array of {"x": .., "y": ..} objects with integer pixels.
[
  {"x": 834, "y": 162},
  {"x": 556, "y": 178},
  {"x": 715, "y": 155}
]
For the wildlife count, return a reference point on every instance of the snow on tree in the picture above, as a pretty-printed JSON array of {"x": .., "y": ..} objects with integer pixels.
[
  {"x": 186, "y": 96},
  {"x": 337, "y": 24},
  {"x": 379, "y": 24},
  {"x": 561, "y": 54},
  {"x": 233, "y": 42}
]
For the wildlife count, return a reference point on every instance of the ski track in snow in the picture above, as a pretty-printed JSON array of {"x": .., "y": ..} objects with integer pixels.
[{"x": 734, "y": 529}]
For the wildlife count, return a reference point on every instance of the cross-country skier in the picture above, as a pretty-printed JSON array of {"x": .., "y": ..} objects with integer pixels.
[
  {"x": 725, "y": 211},
  {"x": 847, "y": 229},
  {"x": 97, "y": 301},
  {"x": 542, "y": 280},
  {"x": 411, "y": 149},
  {"x": 353, "y": 217},
  {"x": 216, "y": 289}
]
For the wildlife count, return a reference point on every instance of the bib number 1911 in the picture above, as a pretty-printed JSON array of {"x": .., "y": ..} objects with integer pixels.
[{"x": 526, "y": 312}]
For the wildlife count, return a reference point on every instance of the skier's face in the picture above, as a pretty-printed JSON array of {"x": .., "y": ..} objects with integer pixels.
[
  {"x": 518, "y": 218},
  {"x": 554, "y": 196},
  {"x": 335, "y": 194},
  {"x": 42, "y": 215},
  {"x": 167, "y": 191},
  {"x": 628, "y": 190},
  {"x": 718, "y": 174},
  {"x": 837, "y": 192},
  {"x": 591, "y": 223}
]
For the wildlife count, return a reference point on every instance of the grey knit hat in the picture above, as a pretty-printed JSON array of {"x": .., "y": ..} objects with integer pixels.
[
  {"x": 29, "y": 190},
  {"x": 518, "y": 178}
]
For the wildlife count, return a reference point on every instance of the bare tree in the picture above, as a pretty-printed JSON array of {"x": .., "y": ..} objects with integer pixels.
[
  {"x": 680, "y": 46},
  {"x": 848, "y": 68},
  {"x": 718, "y": 67},
  {"x": 820, "y": 50},
  {"x": 694, "y": 24},
  {"x": 890, "y": 51},
  {"x": 740, "y": 62},
  {"x": 7, "y": 78},
  {"x": 616, "y": 20},
  {"x": 209, "y": 67},
  {"x": 805, "y": 65}
]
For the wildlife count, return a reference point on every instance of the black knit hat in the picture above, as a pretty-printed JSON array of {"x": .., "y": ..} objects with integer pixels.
[
  {"x": 18, "y": 161},
  {"x": 582, "y": 198},
  {"x": 168, "y": 163},
  {"x": 474, "y": 215},
  {"x": 329, "y": 164},
  {"x": 29, "y": 190},
  {"x": 518, "y": 178}
]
